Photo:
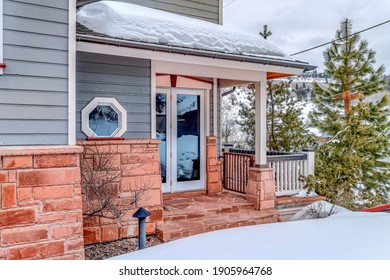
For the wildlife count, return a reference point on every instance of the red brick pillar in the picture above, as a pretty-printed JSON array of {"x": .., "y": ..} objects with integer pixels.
[
  {"x": 213, "y": 166},
  {"x": 40, "y": 213},
  {"x": 261, "y": 188}
]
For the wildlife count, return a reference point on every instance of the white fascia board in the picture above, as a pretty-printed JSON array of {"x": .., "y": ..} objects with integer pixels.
[
  {"x": 186, "y": 59},
  {"x": 208, "y": 71},
  {"x": 72, "y": 73}
]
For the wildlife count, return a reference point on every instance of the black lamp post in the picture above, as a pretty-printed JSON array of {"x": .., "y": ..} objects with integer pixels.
[{"x": 141, "y": 214}]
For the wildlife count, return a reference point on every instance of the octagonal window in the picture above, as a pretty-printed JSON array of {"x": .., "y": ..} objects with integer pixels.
[{"x": 104, "y": 117}]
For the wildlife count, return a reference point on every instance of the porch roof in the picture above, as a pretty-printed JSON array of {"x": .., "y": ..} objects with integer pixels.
[{"x": 133, "y": 26}]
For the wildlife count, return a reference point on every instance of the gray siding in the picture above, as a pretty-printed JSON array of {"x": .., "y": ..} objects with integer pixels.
[
  {"x": 34, "y": 87},
  {"x": 125, "y": 79},
  {"x": 201, "y": 9}
]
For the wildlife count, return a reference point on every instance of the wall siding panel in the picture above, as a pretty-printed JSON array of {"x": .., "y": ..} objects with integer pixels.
[
  {"x": 125, "y": 79},
  {"x": 200, "y": 9},
  {"x": 34, "y": 86}
]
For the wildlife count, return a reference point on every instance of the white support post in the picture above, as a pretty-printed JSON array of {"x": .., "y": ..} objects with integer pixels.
[
  {"x": 153, "y": 98},
  {"x": 215, "y": 107},
  {"x": 71, "y": 72},
  {"x": 261, "y": 123},
  {"x": 207, "y": 111},
  {"x": 309, "y": 163}
]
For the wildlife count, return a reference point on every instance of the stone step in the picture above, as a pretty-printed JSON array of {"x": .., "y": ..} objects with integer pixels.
[
  {"x": 210, "y": 210},
  {"x": 201, "y": 206},
  {"x": 175, "y": 229}
]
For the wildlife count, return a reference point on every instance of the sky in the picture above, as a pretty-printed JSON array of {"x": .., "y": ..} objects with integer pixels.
[{"x": 301, "y": 24}]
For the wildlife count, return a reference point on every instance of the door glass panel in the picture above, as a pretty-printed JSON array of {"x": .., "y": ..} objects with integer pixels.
[
  {"x": 161, "y": 132},
  {"x": 188, "y": 137}
]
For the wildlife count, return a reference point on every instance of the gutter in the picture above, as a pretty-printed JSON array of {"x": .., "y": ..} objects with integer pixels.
[{"x": 187, "y": 51}]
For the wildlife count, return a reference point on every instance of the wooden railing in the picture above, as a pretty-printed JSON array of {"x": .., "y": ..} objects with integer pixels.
[
  {"x": 236, "y": 171},
  {"x": 289, "y": 168}
]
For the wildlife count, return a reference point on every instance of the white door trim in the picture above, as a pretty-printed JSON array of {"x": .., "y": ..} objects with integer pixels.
[
  {"x": 166, "y": 187},
  {"x": 172, "y": 185}
]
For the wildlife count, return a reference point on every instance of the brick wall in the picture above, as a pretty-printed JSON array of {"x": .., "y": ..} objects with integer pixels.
[
  {"x": 40, "y": 213},
  {"x": 138, "y": 162}
]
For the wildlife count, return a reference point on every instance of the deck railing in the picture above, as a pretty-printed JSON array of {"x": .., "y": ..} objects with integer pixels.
[
  {"x": 289, "y": 168},
  {"x": 288, "y": 171},
  {"x": 236, "y": 171}
]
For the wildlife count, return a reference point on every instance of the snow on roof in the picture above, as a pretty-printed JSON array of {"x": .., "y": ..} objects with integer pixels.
[
  {"x": 141, "y": 24},
  {"x": 344, "y": 236}
]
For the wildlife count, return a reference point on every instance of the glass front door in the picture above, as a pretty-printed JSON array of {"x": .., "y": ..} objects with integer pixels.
[{"x": 179, "y": 126}]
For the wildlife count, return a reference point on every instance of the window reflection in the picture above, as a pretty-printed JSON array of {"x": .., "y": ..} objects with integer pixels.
[{"x": 103, "y": 120}]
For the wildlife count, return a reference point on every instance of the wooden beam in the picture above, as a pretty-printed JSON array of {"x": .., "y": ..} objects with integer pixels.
[{"x": 274, "y": 75}]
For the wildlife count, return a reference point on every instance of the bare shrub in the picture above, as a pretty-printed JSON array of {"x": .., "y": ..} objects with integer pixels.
[
  {"x": 101, "y": 174},
  {"x": 318, "y": 211}
]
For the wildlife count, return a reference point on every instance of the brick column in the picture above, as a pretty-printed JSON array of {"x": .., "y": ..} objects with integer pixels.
[
  {"x": 213, "y": 167},
  {"x": 261, "y": 188},
  {"x": 40, "y": 199}
]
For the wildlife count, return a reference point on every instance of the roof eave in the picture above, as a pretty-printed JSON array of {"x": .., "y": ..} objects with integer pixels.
[{"x": 186, "y": 51}]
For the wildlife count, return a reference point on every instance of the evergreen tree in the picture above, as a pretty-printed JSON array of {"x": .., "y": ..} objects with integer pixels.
[
  {"x": 285, "y": 128},
  {"x": 349, "y": 166},
  {"x": 247, "y": 117}
]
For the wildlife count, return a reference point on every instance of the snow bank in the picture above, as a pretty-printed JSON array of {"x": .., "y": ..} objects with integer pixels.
[
  {"x": 318, "y": 209},
  {"x": 141, "y": 24},
  {"x": 347, "y": 236},
  {"x": 304, "y": 193}
]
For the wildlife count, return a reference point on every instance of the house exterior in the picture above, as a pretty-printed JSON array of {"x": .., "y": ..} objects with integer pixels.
[{"x": 68, "y": 91}]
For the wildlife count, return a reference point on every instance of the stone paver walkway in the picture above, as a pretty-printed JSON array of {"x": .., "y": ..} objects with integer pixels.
[{"x": 186, "y": 216}]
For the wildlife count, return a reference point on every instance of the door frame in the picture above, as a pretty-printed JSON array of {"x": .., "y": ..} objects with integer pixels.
[{"x": 172, "y": 185}]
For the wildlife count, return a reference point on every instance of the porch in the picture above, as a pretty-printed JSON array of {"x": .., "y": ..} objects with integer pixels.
[
  {"x": 192, "y": 213},
  {"x": 195, "y": 213}
]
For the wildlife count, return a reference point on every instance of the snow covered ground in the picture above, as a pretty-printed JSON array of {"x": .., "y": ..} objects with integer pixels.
[{"x": 344, "y": 236}]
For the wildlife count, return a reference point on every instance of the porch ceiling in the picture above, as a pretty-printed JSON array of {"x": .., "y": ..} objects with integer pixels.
[{"x": 127, "y": 25}]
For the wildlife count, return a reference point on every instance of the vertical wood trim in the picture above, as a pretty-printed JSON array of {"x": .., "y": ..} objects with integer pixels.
[
  {"x": 207, "y": 111},
  {"x": 215, "y": 107},
  {"x": 1, "y": 36},
  {"x": 72, "y": 73},
  {"x": 153, "y": 98},
  {"x": 220, "y": 15}
]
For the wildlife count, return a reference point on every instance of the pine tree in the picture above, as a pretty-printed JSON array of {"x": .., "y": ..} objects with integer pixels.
[
  {"x": 246, "y": 119},
  {"x": 285, "y": 128},
  {"x": 349, "y": 166}
]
